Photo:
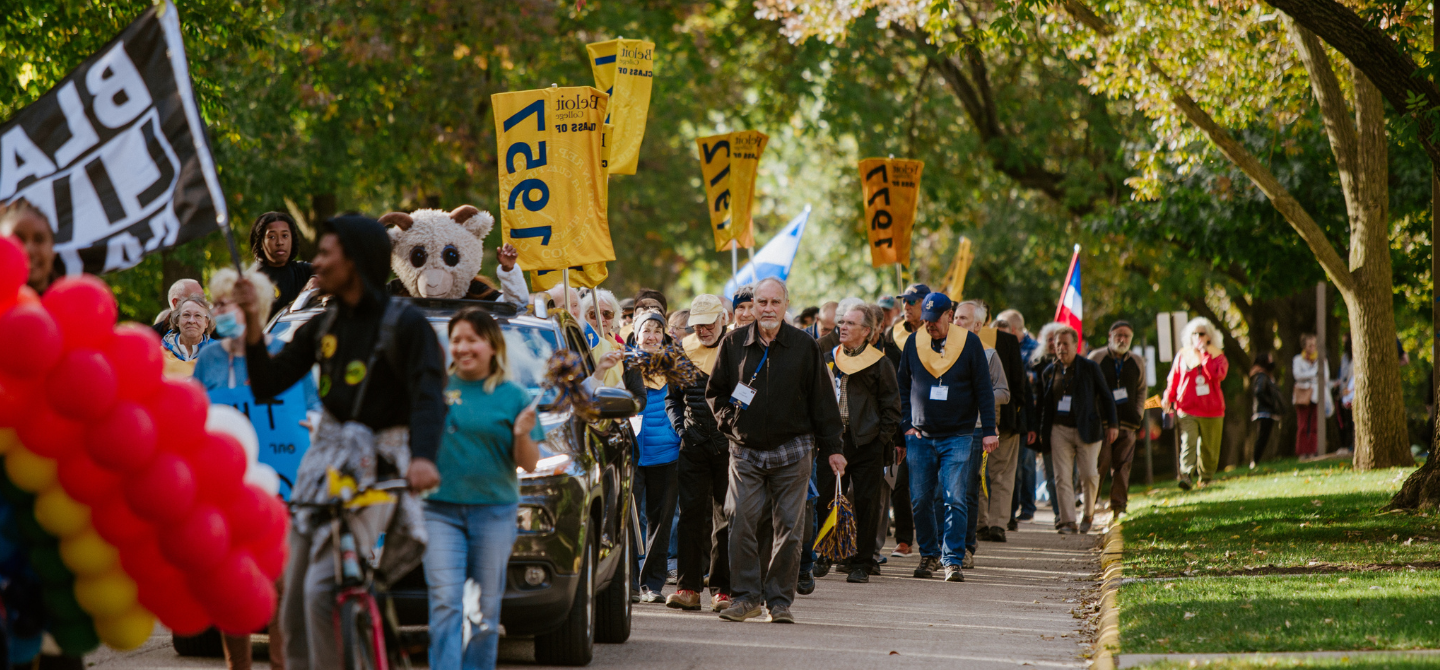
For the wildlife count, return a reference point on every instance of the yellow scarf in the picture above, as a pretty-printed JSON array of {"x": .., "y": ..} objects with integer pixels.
[
  {"x": 938, "y": 363},
  {"x": 852, "y": 364},
  {"x": 702, "y": 356},
  {"x": 900, "y": 334}
]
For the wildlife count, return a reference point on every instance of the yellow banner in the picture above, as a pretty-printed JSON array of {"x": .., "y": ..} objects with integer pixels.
[
  {"x": 959, "y": 267},
  {"x": 891, "y": 188},
  {"x": 553, "y": 188},
  {"x": 625, "y": 69},
  {"x": 588, "y": 276},
  {"x": 729, "y": 164}
]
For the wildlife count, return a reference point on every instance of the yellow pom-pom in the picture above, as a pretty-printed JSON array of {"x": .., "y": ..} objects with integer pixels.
[
  {"x": 29, "y": 472},
  {"x": 8, "y": 440},
  {"x": 107, "y": 595},
  {"x": 60, "y": 515},
  {"x": 126, "y": 631},
  {"x": 86, "y": 554}
]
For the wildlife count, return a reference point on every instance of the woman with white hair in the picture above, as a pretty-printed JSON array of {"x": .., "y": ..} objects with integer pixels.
[
  {"x": 1193, "y": 392},
  {"x": 609, "y": 312},
  {"x": 190, "y": 326}
]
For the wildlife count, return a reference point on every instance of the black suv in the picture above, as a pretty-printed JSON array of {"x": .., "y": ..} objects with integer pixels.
[{"x": 568, "y": 584}]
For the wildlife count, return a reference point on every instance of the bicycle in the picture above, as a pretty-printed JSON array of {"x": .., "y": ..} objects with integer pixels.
[{"x": 368, "y": 639}]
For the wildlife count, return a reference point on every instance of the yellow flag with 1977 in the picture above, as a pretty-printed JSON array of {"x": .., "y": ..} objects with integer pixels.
[
  {"x": 553, "y": 186},
  {"x": 624, "y": 69},
  {"x": 891, "y": 188},
  {"x": 729, "y": 163}
]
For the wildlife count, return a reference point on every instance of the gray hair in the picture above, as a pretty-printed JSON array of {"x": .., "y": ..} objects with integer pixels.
[
  {"x": 869, "y": 319},
  {"x": 848, "y": 304},
  {"x": 1014, "y": 318},
  {"x": 978, "y": 309},
  {"x": 1040, "y": 353},
  {"x": 175, "y": 313},
  {"x": 774, "y": 280},
  {"x": 1202, "y": 324},
  {"x": 177, "y": 291}
]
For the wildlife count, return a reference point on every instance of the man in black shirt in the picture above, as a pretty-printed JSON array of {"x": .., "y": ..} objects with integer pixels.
[
  {"x": 272, "y": 243},
  {"x": 1124, "y": 372},
  {"x": 381, "y": 384}
]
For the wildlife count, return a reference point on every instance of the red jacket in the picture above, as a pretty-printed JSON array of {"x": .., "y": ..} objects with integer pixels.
[{"x": 1196, "y": 390}]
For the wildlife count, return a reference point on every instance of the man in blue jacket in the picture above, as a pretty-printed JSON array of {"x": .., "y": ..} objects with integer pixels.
[{"x": 944, "y": 386}]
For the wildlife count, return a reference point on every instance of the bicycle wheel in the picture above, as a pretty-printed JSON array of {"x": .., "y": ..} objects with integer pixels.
[{"x": 360, "y": 634}]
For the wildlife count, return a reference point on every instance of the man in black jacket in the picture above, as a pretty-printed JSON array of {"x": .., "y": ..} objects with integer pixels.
[
  {"x": 773, "y": 400},
  {"x": 704, "y": 540},
  {"x": 1011, "y": 420},
  {"x": 1124, "y": 372},
  {"x": 1076, "y": 408},
  {"x": 380, "y": 365},
  {"x": 894, "y": 344}
]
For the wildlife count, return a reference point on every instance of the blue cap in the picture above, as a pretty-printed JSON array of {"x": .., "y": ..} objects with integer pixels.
[
  {"x": 915, "y": 293},
  {"x": 936, "y": 305}
]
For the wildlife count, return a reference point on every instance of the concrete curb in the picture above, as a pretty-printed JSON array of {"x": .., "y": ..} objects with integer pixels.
[{"x": 1107, "y": 639}]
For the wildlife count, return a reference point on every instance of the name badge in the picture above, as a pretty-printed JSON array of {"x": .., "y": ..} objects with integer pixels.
[
  {"x": 939, "y": 392},
  {"x": 742, "y": 395},
  {"x": 1120, "y": 394},
  {"x": 1201, "y": 388},
  {"x": 1064, "y": 406}
]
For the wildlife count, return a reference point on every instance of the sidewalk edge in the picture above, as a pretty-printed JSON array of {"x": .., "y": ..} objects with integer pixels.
[{"x": 1107, "y": 639}]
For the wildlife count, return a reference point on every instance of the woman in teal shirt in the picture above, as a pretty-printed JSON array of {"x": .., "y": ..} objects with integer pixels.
[{"x": 489, "y": 430}]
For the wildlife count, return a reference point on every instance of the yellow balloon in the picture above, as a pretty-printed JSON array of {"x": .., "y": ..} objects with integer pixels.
[
  {"x": 86, "y": 554},
  {"x": 29, "y": 472},
  {"x": 106, "y": 595},
  {"x": 60, "y": 515},
  {"x": 127, "y": 630},
  {"x": 8, "y": 439}
]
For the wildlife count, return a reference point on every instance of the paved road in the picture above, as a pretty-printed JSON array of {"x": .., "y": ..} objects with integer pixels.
[{"x": 1013, "y": 609}]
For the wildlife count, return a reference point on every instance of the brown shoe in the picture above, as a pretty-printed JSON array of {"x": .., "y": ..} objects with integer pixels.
[{"x": 684, "y": 600}]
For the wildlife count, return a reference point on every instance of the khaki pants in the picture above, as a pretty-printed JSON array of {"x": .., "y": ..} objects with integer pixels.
[
  {"x": 1000, "y": 479},
  {"x": 1068, "y": 451},
  {"x": 1200, "y": 446}
]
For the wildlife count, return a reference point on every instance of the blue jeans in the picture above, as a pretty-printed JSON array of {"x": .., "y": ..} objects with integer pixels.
[
  {"x": 467, "y": 542},
  {"x": 940, "y": 470},
  {"x": 1023, "y": 502},
  {"x": 972, "y": 498}
]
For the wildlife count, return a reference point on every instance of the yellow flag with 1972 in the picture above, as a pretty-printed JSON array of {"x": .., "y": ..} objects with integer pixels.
[
  {"x": 891, "y": 188},
  {"x": 553, "y": 184},
  {"x": 729, "y": 164},
  {"x": 625, "y": 69}
]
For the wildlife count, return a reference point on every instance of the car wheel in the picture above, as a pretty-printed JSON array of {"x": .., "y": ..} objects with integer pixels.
[
  {"x": 612, "y": 615},
  {"x": 573, "y": 643},
  {"x": 204, "y": 645}
]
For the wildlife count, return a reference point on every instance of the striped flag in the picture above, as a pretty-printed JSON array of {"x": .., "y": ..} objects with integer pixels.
[{"x": 1071, "y": 309}]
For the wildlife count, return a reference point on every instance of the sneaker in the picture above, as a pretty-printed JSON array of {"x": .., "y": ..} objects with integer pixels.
[
  {"x": 1086, "y": 524},
  {"x": 719, "y": 602},
  {"x": 805, "y": 585},
  {"x": 953, "y": 574},
  {"x": 902, "y": 550},
  {"x": 880, "y": 558},
  {"x": 928, "y": 566},
  {"x": 873, "y": 570},
  {"x": 740, "y": 611},
  {"x": 1066, "y": 529},
  {"x": 1013, "y": 525},
  {"x": 1184, "y": 483},
  {"x": 858, "y": 576},
  {"x": 997, "y": 534},
  {"x": 969, "y": 561},
  {"x": 781, "y": 614},
  {"x": 634, "y": 597},
  {"x": 648, "y": 596},
  {"x": 982, "y": 534},
  {"x": 822, "y": 568},
  {"x": 672, "y": 577},
  {"x": 684, "y": 599},
  {"x": 1026, "y": 517}
]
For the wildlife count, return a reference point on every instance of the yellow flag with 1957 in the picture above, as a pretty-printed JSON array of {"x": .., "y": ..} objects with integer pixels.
[
  {"x": 891, "y": 188},
  {"x": 729, "y": 164},
  {"x": 553, "y": 186},
  {"x": 625, "y": 69}
]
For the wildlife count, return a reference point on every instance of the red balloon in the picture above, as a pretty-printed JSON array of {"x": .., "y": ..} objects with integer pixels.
[
  {"x": 177, "y": 609},
  {"x": 86, "y": 482},
  {"x": 83, "y": 386},
  {"x": 235, "y": 593},
  {"x": 180, "y": 408},
  {"x": 14, "y": 266},
  {"x": 135, "y": 355},
  {"x": 163, "y": 491},
  {"x": 18, "y": 398},
  {"x": 29, "y": 341},
  {"x": 50, "y": 435},
  {"x": 197, "y": 543},
  {"x": 123, "y": 441},
  {"x": 219, "y": 466},
  {"x": 84, "y": 309},
  {"x": 145, "y": 564},
  {"x": 248, "y": 515},
  {"x": 279, "y": 517},
  {"x": 272, "y": 559},
  {"x": 115, "y": 522}
]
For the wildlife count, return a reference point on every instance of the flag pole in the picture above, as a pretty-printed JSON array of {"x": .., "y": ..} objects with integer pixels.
[
  {"x": 230, "y": 240},
  {"x": 735, "y": 260},
  {"x": 900, "y": 276},
  {"x": 599, "y": 316},
  {"x": 565, "y": 281}
]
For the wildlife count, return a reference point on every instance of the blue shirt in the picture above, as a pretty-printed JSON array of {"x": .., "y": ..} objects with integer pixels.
[
  {"x": 659, "y": 444},
  {"x": 215, "y": 369},
  {"x": 969, "y": 393},
  {"x": 477, "y": 450}
]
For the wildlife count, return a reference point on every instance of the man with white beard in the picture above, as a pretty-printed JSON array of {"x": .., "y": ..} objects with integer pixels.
[{"x": 1124, "y": 372}]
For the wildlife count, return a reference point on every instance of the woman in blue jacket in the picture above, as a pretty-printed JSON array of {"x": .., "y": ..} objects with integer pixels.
[{"x": 657, "y": 471}]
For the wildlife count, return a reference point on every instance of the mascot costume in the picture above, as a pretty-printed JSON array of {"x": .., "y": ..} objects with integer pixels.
[{"x": 437, "y": 254}]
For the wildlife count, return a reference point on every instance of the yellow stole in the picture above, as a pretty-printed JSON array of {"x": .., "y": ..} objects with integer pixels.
[
  {"x": 853, "y": 364},
  {"x": 702, "y": 356},
  {"x": 655, "y": 383},
  {"x": 940, "y": 363},
  {"x": 900, "y": 335}
]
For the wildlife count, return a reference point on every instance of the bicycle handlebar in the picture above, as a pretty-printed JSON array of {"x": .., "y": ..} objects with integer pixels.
[{"x": 387, "y": 485}]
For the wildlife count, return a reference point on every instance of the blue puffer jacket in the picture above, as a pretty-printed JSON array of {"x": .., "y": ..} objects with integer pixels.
[{"x": 659, "y": 444}]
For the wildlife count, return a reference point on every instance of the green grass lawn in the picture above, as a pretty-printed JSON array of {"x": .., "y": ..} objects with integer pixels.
[
  {"x": 1403, "y": 663},
  {"x": 1284, "y": 515},
  {"x": 1359, "y": 610}
]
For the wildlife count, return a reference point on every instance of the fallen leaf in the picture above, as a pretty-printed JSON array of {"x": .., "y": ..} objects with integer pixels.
[
  {"x": 1189, "y": 616},
  {"x": 894, "y": 653}
]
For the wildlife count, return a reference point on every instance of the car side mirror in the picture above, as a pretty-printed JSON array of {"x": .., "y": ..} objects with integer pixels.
[{"x": 614, "y": 403}]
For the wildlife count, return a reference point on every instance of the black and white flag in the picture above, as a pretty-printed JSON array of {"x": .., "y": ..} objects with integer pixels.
[{"x": 116, "y": 155}]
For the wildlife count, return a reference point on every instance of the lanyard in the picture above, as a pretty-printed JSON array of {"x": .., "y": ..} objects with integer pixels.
[
  {"x": 758, "y": 367},
  {"x": 1119, "y": 369}
]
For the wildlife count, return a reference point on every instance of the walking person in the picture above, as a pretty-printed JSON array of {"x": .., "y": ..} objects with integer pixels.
[
  {"x": 970, "y": 315},
  {"x": 1022, "y": 500},
  {"x": 1267, "y": 405},
  {"x": 1124, "y": 372},
  {"x": 1012, "y": 422},
  {"x": 704, "y": 532},
  {"x": 1310, "y": 385},
  {"x": 656, "y": 470},
  {"x": 869, "y": 401},
  {"x": 273, "y": 242},
  {"x": 772, "y": 397},
  {"x": 1041, "y": 358},
  {"x": 381, "y": 383},
  {"x": 1078, "y": 413},
  {"x": 1192, "y": 391},
  {"x": 907, "y": 321},
  {"x": 945, "y": 386}
]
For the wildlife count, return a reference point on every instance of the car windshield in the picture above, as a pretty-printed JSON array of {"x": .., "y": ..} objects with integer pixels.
[{"x": 527, "y": 349}]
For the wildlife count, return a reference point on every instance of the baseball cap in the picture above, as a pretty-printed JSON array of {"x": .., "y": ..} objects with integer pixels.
[
  {"x": 936, "y": 304},
  {"x": 915, "y": 293},
  {"x": 886, "y": 301},
  {"x": 627, "y": 305},
  {"x": 704, "y": 310}
]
